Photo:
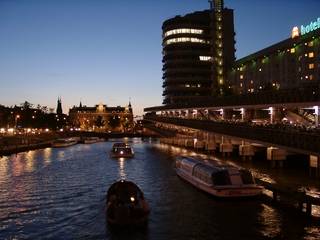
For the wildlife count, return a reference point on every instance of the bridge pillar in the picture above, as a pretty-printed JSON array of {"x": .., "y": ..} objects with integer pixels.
[
  {"x": 225, "y": 147},
  {"x": 246, "y": 151},
  {"x": 276, "y": 155},
  {"x": 314, "y": 166},
  {"x": 316, "y": 115}
]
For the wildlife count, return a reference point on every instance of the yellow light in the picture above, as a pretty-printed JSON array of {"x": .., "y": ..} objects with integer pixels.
[
  {"x": 295, "y": 32},
  {"x": 132, "y": 199}
]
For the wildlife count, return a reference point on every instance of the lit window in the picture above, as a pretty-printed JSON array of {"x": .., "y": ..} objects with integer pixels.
[
  {"x": 240, "y": 84},
  {"x": 183, "y": 30},
  {"x": 292, "y": 50},
  {"x": 251, "y": 82},
  {"x": 187, "y": 85},
  {"x": 199, "y": 85},
  {"x": 260, "y": 69},
  {"x": 185, "y": 39},
  {"x": 311, "y": 55},
  {"x": 310, "y": 44},
  {"x": 241, "y": 76},
  {"x": 311, "y": 66},
  {"x": 311, "y": 77},
  {"x": 205, "y": 58}
]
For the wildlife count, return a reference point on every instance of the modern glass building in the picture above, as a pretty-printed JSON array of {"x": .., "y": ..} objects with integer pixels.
[
  {"x": 198, "y": 49},
  {"x": 293, "y": 63}
]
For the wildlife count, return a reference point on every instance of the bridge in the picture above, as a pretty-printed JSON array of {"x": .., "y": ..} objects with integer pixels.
[{"x": 283, "y": 121}]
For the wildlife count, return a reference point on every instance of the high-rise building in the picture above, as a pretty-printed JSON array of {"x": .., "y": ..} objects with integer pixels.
[{"x": 198, "y": 50}]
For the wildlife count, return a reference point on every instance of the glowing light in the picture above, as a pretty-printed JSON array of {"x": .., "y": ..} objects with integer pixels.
[
  {"x": 295, "y": 32},
  {"x": 132, "y": 199}
]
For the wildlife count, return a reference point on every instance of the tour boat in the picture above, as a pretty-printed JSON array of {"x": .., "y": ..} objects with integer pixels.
[
  {"x": 121, "y": 150},
  {"x": 89, "y": 140},
  {"x": 126, "y": 205},
  {"x": 217, "y": 179},
  {"x": 64, "y": 142}
]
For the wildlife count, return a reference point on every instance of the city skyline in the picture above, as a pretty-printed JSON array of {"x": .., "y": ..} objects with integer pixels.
[{"x": 98, "y": 51}]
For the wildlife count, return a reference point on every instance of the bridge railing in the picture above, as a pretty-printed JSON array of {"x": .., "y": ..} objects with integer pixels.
[
  {"x": 302, "y": 95},
  {"x": 305, "y": 140}
]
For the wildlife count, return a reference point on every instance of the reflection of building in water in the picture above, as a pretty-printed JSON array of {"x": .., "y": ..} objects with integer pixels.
[
  {"x": 102, "y": 118},
  {"x": 122, "y": 173}
]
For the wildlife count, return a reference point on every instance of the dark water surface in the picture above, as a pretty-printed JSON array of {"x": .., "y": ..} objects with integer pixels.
[{"x": 60, "y": 194}]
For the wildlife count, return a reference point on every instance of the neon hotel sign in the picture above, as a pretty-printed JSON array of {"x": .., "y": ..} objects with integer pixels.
[
  {"x": 305, "y": 29},
  {"x": 311, "y": 27}
]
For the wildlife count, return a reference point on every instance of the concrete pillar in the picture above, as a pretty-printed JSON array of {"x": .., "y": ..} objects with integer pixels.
[
  {"x": 246, "y": 151},
  {"x": 314, "y": 166},
  {"x": 316, "y": 115},
  {"x": 199, "y": 145},
  {"x": 276, "y": 155},
  {"x": 225, "y": 146}
]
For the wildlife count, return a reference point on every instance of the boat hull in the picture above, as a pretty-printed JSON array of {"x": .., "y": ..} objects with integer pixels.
[{"x": 223, "y": 192}]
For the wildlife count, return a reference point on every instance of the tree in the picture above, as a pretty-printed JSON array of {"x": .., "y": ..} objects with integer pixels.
[
  {"x": 26, "y": 105},
  {"x": 114, "y": 121},
  {"x": 99, "y": 122}
]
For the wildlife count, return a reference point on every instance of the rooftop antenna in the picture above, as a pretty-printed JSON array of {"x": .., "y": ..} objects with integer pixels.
[{"x": 211, "y": 4}]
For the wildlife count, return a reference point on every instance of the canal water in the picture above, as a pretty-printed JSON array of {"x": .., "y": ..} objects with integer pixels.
[{"x": 60, "y": 194}]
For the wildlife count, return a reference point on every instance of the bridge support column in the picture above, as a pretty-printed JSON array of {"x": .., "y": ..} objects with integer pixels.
[
  {"x": 316, "y": 115},
  {"x": 246, "y": 151},
  {"x": 276, "y": 155},
  {"x": 314, "y": 166},
  {"x": 225, "y": 147}
]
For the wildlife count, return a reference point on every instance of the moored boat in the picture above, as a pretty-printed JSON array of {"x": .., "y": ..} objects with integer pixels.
[
  {"x": 217, "y": 179},
  {"x": 121, "y": 150},
  {"x": 89, "y": 140},
  {"x": 64, "y": 142},
  {"x": 126, "y": 205}
]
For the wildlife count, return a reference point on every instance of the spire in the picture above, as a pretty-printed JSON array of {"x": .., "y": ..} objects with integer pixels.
[
  {"x": 129, "y": 103},
  {"x": 59, "y": 106},
  {"x": 80, "y": 105}
]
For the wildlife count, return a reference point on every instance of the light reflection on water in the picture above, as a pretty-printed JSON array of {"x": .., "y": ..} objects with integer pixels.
[{"x": 60, "y": 194}]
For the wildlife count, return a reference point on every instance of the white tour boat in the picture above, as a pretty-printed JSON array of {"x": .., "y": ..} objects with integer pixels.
[{"x": 216, "y": 179}]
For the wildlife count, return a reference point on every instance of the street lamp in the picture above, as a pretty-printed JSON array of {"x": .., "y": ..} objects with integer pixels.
[{"x": 16, "y": 120}]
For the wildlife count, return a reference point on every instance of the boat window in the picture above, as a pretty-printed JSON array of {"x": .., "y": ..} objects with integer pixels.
[
  {"x": 246, "y": 177},
  {"x": 221, "y": 178}
]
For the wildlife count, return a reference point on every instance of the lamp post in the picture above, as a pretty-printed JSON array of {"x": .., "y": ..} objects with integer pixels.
[{"x": 16, "y": 121}]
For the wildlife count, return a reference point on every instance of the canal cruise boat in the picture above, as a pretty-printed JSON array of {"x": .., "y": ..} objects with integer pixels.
[
  {"x": 126, "y": 205},
  {"x": 216, "y": 179},
  {"x": 64, "y": 142},
  {"x": 121, "y": 150}
]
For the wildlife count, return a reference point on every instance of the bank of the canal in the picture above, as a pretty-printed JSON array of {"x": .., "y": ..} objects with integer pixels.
[{"x": 60, "y": 194}]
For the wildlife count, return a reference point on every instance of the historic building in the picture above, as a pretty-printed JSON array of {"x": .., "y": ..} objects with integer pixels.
[
  {"x": 293, "y": 63},
  {"x": 102, "y": 118},
  {"x": 198, "y": 50}
]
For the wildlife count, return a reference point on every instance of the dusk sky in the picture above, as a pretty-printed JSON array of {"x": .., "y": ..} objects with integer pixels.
[{"x": 109, "y": 50}]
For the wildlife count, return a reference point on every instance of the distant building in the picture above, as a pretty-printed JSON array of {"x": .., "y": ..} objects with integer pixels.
[
  {"x": 198, "y": 50},
  {"x": 293, "y": 63},
  {"x": 59, "y": 107},
  {"x": 102, "y": 118}
]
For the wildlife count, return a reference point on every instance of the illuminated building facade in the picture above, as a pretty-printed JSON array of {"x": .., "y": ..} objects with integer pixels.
[
  {"x": 290, "y": 64},
  {"x": 102, "y": 118},
  {"x": 198, "y": 49}
]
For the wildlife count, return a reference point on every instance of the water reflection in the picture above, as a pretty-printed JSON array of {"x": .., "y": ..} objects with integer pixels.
[
  {"x": 270, "y": 220},
  {"x": 47, "y": 156},
  {"x": 30, "y": 161},
  {"x": 122, "y": 173},
  {"x": 66, "y": 199}
]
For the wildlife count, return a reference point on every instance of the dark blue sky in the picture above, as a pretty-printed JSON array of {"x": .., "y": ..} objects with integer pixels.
[{"x": 110, "y": 50}]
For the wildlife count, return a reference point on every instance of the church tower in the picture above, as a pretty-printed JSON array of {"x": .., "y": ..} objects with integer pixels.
[{"x": 59, "y": 106}]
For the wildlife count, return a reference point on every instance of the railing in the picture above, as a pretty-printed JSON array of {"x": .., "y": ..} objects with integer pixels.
[
  {"x": 302, "y": 95},
  {"x": 298, "y": 139}
]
